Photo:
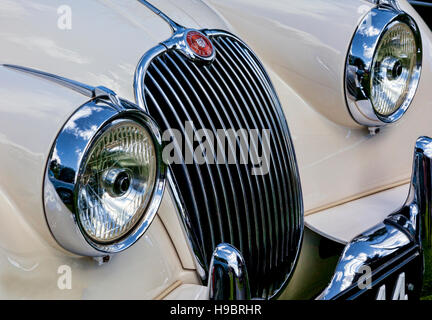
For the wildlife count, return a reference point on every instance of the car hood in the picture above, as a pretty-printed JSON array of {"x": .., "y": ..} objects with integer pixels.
[
  {"x": 102, "y": 42},
  {"x": 106, "y": 40}
]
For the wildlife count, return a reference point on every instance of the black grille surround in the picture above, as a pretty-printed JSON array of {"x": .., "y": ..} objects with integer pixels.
[{"x": 261, "y": 215}]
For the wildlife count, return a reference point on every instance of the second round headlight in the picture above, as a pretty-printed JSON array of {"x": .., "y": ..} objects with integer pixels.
[
  {"x": 393, "y": 70},
  {"x": 383, "y": 67}
]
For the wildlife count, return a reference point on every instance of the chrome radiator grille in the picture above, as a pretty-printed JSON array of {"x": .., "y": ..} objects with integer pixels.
[{"x": 260, "y": 215}]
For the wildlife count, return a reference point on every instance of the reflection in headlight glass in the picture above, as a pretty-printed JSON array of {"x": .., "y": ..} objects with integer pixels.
[
  {"x": 393, "y": 68},
  {"x": 117, "y": 181}
]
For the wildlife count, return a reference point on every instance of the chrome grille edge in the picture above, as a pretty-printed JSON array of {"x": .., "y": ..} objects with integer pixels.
[{"x": 260, "y": 215}]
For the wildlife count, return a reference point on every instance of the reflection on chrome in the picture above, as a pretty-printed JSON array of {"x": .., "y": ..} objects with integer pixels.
[
  {"x": 402, "y": 235},
  {"x": 383, "y": 66},
  {"x": 105, "y": 177},
  {"x": 117, "y": 181},
  {"x": 381, "y": 242},
  {"x": 65, "y": 173},
  {"x": 228, "y": 278}
]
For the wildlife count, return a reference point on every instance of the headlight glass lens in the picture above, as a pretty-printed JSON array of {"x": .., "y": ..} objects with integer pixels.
[
  {"x": 117, "y": 181},
  {"x": 393, "y": 68}
]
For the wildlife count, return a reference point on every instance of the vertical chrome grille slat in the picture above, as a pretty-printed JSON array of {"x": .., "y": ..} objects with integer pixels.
[
  {"x": 257, "y": 123},
  {"x": 281, "y": 160},
  {"x": 260, "y": 108},
  {"x": 222, "y": 182},
  {"x": 266, "y": 264},
  {"x": 260, "y": 215},
  {"x": 173, "y": 78},
  {"x": 209, "y": 170},
  {"x": 261, "y": 235},
  {"x": 203, "y": 79},
  {"x": 190, "y": 147},
  {"x": 247, "y": 174},
  {"x": 190, "y": 184},
  {"x": 268, "y": 114},
  {"x": 278, "y": 114}
]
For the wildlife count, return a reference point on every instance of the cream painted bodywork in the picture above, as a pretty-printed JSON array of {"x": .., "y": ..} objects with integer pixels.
[
  {"x": 107, "y": 39},
  {"x": 304, "y": 46},
  {"x": 30, "y": 259},
  {"x": 103, "y": 47},
  {"x": 342, "y": 223}
]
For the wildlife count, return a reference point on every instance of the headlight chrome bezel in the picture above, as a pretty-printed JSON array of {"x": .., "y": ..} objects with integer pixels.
[
  {"x": 70, "y": 149},
  {"x": 360, "y": 60}
]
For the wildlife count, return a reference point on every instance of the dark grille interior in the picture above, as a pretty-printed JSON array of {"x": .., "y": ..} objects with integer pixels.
[{"x": 261, "y": 215}]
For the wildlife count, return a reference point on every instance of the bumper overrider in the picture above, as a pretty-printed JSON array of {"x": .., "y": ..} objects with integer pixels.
[{"x": 387, "y": 261}]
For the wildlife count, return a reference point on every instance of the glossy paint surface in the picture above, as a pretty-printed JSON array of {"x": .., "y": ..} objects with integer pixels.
[
  {"x": 29, "y": 255},
  {"x": 304, "y": 46},
  {"x": 337, "y": 159},
  {"x": 106, "y": 40},
  {"x": 344, "y": 222},
  {"x": 30, "y": 121},
  {"x": 306, "y": 42},
  {"x": 103, "y": 47}
]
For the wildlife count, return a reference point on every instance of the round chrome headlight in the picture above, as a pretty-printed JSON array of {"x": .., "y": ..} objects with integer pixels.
[
  {"x": 383, "y": 67},
  {"x": 105, "y": 178},
  {"x": 117, "y": 181}
]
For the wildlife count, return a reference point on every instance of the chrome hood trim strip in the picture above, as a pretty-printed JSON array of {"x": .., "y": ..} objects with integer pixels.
[
  {"x": 84, "y": 89},
  {"x": 174, "y": 25}
]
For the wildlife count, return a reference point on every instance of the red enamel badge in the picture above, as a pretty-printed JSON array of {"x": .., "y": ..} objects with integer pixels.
[{"x": 199, "y": 44}]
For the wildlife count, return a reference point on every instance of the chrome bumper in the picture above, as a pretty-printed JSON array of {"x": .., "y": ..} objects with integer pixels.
[{"x": 392, "y": 251}]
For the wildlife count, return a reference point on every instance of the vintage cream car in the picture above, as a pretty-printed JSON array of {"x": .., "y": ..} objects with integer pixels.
[{"x": 123, "y": 126}]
